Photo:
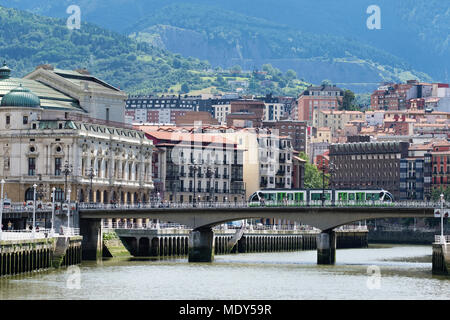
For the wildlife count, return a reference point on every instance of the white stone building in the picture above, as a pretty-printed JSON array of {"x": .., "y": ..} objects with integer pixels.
[{"x": 47, "y": 128}]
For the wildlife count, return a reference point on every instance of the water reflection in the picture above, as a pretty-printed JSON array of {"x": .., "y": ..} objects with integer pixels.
[{"x": 405, "y": 273}]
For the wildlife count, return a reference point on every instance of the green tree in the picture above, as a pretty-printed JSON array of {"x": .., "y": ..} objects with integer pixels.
[
  {"x": 184, "y": 88},
  {"x": 290, "y": 75},
  {"x": 327, "y": 82},
  {"x": 235, "y": 70},
  {"x": 348, "y": 101},
  {"x": 313, "y": 177}
]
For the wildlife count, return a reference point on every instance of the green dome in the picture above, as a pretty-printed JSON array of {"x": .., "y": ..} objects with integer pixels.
[{"x": 21, "y": 97}]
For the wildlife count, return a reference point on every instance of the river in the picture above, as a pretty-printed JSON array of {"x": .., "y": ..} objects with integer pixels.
[{"x": 378, "y": 272}]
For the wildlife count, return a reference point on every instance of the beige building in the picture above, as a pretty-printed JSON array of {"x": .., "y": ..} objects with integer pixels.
[
  {"x": 335, "y": 120},
  {"x": 322, "y": 134},
  {"x": 267, "y": 157},
  {"x": 49, "y": 138}
]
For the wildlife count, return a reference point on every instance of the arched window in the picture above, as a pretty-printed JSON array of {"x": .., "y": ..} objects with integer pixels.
[
  {"x": 81, "y": 195},
  {"x": 97, "y": 196},
  {"x": 128, "y": 197},
  {"x": 135, "y": 199},
  {"x": 105, "y": 196},
  {"x": 29, "y": 194}
]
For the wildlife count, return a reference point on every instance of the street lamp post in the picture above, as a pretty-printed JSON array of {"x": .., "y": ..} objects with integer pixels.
[
  {"x": 1, "y": 209},
  {"x": 68, "y": 211},
  {"x": 195, "y": 168},
  {"x": 34, "y": 210},
  {"x": 91, "y": 175},
  {"x": 67, "y": 170},
  {"x": 323, "y": 182},
  {"x": 442, "y": 218},
  {"x": 52, "y": 231}
]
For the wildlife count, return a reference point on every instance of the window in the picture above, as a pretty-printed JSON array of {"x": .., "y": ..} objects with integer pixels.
[
  {"x": 31, "y": 166},
  {"x": 8, "y": 120},
  {"x": 57, "y": 166},
  {"x": 25, "y": 119}
]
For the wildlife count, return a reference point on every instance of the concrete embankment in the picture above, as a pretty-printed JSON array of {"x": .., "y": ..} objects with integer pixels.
[
  {"x": 175, "y": 242},
  {"x": 22, "y": 256},
  {"x": 401, "y": 237},
  {"x": 441, "y": 259}
]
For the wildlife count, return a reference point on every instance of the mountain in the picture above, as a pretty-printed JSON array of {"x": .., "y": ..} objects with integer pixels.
[
  {"x": 226, "y": 38},
  {"x": 413, "y": 42},
  {"x": 28, "y": 40}
]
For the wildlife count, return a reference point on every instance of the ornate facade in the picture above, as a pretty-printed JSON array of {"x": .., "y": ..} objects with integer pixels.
[{"x": 47, "y": 138}]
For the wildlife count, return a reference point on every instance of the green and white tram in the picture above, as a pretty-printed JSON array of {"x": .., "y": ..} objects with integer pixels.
[{"x": 311, "y": 196}]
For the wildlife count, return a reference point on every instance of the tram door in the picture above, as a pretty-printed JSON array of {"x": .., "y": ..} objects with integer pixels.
[
  {"x": 360, "y": 196},
  {"x": 281, "y": 196}
]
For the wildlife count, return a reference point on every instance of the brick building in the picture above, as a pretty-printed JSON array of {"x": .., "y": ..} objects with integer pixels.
[
  {"x": 372, "y": 165},
  {"x": 317, "y": 98}
]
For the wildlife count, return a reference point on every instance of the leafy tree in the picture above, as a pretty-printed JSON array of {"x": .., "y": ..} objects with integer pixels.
[
  {"x": 184, "y": 88},
  {"x": 313, "y": 177},
  {"x": 348, "y": 101},
  {"x": 327, "y": 82},
  {"x": 236, "y": 69},
  {"x": 290, "y": 75}
]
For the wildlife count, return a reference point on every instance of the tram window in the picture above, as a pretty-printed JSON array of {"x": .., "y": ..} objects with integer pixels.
[
  {"x": 351, "y": 196},
  {"x": 255, "y": 198},
  {"x": 316, "y": 196}
]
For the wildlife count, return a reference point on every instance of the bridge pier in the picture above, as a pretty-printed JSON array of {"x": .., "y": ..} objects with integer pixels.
[
  {"x": 326, "y": 247},
  {"x": 92, "y": 245},
  {"x": 201, "y": 245}
]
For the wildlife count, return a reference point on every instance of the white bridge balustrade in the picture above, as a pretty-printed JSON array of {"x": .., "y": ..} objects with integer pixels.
[
  {"x": 442, "y": 239},
  {"x": 398, "y": 204},
  {"x": 20, "y": 207},
  {"x": 12, "y": 235}
]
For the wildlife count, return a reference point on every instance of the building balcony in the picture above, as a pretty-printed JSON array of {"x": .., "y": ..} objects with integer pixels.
[
  {"x": 226, "y": 176},
  {"x": 183, "y": 174}
]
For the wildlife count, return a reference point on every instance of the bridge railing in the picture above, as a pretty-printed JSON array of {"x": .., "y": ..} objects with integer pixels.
[
  {"x": 142, "y": 226},
  {"x": 70, "y": 231},
  {"x": 315, "y": 203},
  {"x": 442, "y": 239}
]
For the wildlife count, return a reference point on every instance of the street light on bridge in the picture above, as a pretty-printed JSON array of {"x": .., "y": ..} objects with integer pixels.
[
  {"x": 1, "y": 209},
  {"x": 34, "y": 210},
  {"x": 91, "y": 175}
]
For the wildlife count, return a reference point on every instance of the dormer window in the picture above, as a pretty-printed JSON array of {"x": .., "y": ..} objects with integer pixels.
[{"x": 25, "y": 119}]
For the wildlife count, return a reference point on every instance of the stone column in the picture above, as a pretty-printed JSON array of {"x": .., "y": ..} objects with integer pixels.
[
  {"x": 92, "y": 245},
  {"x": 201, "y": 245},
  {"x": 326, "y": 247}
]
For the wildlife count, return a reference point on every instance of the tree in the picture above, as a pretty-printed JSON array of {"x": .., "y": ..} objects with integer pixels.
[
  {"x": 236, "y": 69},
  {"x": 184, "y": 88},
  {"x": 348, "y": 101},
  {"x": 313, "y": 177},
  {"x": 327, "y": 82},
  {"x": 290, "y": 75}
]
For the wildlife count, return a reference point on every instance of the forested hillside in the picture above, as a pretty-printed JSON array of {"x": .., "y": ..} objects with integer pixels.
[{"x": 28, "y": 40}]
